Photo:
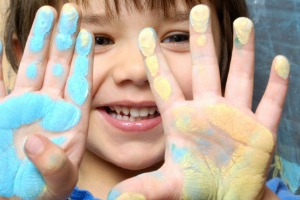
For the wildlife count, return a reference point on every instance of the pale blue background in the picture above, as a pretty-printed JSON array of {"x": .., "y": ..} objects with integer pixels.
[{"x": 277, "y": 24}]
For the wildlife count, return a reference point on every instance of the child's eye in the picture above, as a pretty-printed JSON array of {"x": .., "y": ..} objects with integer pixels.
[
  {"x": 103, "y": 40},
  {"x": 176, "y": 38}
]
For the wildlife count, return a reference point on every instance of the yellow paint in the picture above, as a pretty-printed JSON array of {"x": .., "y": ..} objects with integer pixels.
[
  {"x": 243, "y": 28},
  {"x": 201, "y": 40},
  {"x": 187, "y": 120},
  {"x": 131, "y": 196},
  {"x": 282, "y": 67},
  {"x": 200, "y": 15},
  {"x": 240, "y": 127},
  {"x": 163, "y": 88},
  {"x": 147, "y": 41},
  {"x": 70, "y": 11},
  {"x": 243, "y": 175},
  {"x": 152, "y": 64},
  {"x": 84, "y": 36}
]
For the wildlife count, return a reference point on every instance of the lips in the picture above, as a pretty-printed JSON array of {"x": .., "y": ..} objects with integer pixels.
[{"x": 131, "y": 118}]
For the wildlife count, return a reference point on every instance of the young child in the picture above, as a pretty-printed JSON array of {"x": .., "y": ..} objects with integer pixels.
[{"x": 173, "y": 123}]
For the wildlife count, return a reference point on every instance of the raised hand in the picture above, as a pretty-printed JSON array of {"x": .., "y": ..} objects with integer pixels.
[
  {"x": 216, "y": 148},
  {"x": 44, "y": 120}
]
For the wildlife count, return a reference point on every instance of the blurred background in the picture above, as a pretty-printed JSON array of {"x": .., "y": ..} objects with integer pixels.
[{"x": 277, "y": 25}]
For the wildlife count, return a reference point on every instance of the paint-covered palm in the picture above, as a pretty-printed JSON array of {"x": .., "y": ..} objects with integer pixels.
[
  {"x": 50, "y": 99},
  {"x": 217, "y": 148}
]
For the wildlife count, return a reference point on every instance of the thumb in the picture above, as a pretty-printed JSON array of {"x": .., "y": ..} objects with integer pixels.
[
  {"x": 58, "y": 172},
  {"x": 153, "y": 185}
]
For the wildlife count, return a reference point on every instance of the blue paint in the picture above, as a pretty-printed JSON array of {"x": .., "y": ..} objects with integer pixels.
[
  {"x": 113, "y": 194},
  {"x": 78, "y": 88},
  {"x": 28, "y": 182},
  {"x": 32, "y": 71},
  {"x": 78, "y": 85},
  {"x": 178, "y": 154},
  {"x": 84, "y": 43},
  {"x": 1, "y": 48},
  {"x": 42, "y": 27},
  {"x": 57, "y": 70},
  {"x": 67, "y": 26},
  {"x": 20, "y": 177},
  {"x": 81, "y": 66}
]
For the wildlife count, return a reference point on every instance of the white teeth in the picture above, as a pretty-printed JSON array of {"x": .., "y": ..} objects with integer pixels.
[
  {"x": 125, "y": 110},
  {"x": 132, "y": 114}
]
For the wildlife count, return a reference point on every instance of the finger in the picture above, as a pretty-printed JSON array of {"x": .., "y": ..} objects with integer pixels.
[
  {"x": 163, "y": 84},
  {"x": 79, "y": 83},
  {"x": 54, "y": 166},
  {"x": 206, "y": 75},
  {"x": 33, "y": 64},
  {"x": 239, "y": 87},
  {"x": 2, "y": 84},
  {"x": 62, "y": 50},
  {"x": 270, "y": 108},
  {"x": 150, "y": 186}
]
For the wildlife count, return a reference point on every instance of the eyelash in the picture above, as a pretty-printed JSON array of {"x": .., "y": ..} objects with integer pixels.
[
  {"x": 177, "y": 38},
  {"x": 103, "y": 41}
]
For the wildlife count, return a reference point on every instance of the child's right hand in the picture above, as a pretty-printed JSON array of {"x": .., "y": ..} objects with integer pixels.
[{"x": 45, "y": 118}]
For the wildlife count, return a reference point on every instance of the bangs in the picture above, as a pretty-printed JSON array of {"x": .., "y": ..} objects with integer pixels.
[{"x": 168, "y": 7}]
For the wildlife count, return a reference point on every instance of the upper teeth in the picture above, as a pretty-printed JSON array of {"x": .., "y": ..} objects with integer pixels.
[{"x": 134, "y": 112}]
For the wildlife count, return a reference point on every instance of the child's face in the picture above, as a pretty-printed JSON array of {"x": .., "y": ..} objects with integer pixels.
[{"x": 120, "y": 82}]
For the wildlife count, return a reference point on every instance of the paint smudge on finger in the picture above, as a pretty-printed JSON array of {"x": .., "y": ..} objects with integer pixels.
[
  {"x": 199, "y": 18},
  {"x": 201, "y": 40},
  {"x": 78, "y": 85},
  {"x": 147, "y": 41},
  {"x": 117, "y": 195},
  {"x": 32, "y": 71},
  {"x": 243, "y": 28},
  {"x": 163, "y": 88},
  {"x": 42, "y": 27},
  {"x": 57, "y": 70},
  {"x": 1, "y": 48},
  {"x": 152, "y": 64},
  {"x": 282, "y": 67},
  {"x": 67, "y": 26}
]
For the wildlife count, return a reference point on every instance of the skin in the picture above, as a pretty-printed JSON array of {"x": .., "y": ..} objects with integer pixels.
[{"x": 114, "y": 80}]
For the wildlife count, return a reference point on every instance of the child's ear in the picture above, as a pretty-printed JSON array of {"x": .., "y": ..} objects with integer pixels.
[{"x": 17, "y": 48}]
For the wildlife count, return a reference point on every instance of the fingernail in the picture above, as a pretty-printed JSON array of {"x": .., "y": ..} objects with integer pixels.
[
  {"x": 34, "y": 145},
  {"x": 147, "y": 41},
  {"x": 199, "y": 18},
  {"x": 282, "y": 67},
  {"x": 243, "y": 27}
]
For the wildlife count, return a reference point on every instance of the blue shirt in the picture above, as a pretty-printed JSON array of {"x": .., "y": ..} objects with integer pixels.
[{"x": 276, "y": 185}]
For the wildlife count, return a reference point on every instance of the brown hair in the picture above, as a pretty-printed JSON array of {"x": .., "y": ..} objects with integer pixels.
[{"x": 21, "y": 15}]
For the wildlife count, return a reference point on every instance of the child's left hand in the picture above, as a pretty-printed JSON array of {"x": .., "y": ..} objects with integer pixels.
[{"x": 216, "y": 148}]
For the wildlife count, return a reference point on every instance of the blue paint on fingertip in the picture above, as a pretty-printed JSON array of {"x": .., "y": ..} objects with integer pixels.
[
  {"x": 113, "y": 194},
  {"x": 42, "y": 27},
  {"x": 67, "y": 26},
  {"x": 84, "y": 43},
  {"x": 31, "y": 71},
  {"x": 57, "y": 70}
]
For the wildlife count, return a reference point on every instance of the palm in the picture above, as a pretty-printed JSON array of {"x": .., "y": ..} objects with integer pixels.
[
  {"x": 50, "y": 98},
  {"x": 216, "y": 148}
]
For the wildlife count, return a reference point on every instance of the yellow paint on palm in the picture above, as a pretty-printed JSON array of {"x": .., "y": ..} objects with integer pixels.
[
  {"x": 163, "y": 88},
  {"x": 187, "y": 120},
  {"x": 131, "y": 196},
  {"x": 147, "y": 41},
  {"x": 240, "y": 127},
  {"x": 201, "y": 40},
  {"x": 200, "y": 15},
  {"x": 152, "y": 64},
  {"x": 243, "y": 28},
  {"x": 282, "y": 67}
]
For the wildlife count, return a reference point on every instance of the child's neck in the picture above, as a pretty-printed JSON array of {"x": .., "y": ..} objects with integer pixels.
[{"x": 98, "y": 176}]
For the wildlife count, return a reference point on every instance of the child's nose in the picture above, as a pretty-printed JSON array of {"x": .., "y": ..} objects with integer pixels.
[{"x": 130, "y": 67}]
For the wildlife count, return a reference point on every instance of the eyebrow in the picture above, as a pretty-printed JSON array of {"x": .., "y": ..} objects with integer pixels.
[{"x": 103, "y": 20}]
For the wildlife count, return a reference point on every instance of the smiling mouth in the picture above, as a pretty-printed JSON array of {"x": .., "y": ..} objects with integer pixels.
[{"x": 132, "y": 114}]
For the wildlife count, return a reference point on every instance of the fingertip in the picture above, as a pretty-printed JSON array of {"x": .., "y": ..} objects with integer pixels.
[
  {"x": 243, "y": 27},
  {"x": 281, "y": 66},
  {"x": 147, "y": 41}
]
